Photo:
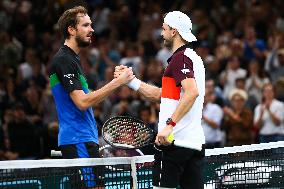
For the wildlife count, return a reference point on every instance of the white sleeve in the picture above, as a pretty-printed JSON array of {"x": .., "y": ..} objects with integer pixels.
[
  {"x": 279, "y": 111},
  {"x": 218, "y": 115},
  {"x": 256, "y": 113}
]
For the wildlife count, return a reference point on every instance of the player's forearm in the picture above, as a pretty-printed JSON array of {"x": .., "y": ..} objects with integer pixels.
[
  {"x": 84, "y": 101},
  {"x": 150, "y": 92},
  {"x": 184, "y": 106},
  {"x": 100, "y": 94}
]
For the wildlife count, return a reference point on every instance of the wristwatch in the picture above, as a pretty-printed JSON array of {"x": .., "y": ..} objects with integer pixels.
[{"x": 170, "y": 122}]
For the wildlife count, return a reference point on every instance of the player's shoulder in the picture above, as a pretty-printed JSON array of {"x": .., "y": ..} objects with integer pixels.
[
  {"x": 61, "y": 58},
  {"x": 192, "y": 55},
  {"x": 179, "y": 57}
]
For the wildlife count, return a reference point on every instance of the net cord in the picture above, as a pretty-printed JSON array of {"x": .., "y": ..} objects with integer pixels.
[
  {"x": 21, "y": 164},
  {"x": 244, "y": 148},
  {"x": 28, "y": 164}
]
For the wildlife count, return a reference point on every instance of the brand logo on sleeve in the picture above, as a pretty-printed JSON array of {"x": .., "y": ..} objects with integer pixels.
[{"x": 185, "y": 70}]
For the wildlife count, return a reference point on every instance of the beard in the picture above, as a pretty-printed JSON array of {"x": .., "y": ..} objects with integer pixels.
[
  {"x": 168, "y": 43},
  {"x": 81, "y": 42}
]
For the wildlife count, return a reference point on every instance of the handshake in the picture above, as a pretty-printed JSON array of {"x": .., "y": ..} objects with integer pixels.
[{"x": 126, "y": 76}]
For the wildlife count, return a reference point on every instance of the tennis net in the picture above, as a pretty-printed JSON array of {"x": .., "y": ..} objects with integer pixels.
[{"x": 251, "y": 166}]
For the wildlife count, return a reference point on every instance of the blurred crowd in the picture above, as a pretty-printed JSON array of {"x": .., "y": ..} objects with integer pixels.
[{"x": 241, "y": 43}]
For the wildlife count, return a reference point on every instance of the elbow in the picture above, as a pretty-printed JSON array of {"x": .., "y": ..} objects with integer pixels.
[
  {"x": 82, "y": 106},
  {"x": 194, "y": 94}
]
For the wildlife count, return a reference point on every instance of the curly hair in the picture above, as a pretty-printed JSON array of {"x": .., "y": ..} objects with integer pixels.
[{"x": 70, "y": 18}]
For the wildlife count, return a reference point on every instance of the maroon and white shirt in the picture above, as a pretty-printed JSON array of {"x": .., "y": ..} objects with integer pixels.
[{"x": 184, "y": 63}]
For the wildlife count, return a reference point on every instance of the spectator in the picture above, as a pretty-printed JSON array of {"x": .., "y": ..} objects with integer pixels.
[
  {"x": 37, "y": 78},
  {"x": 253, "y": 48},
  {"x": 154, "y": 73},
  {"x": 255, "y": 80},
  {"x": 272, "y": 62},
  {"x": 268, "y": 116},
  {"x": 216, "y": 92},
  {"x": 148, "y": 115},
  {"x": 123, "y": 106},
  {"x": 107, "y": 56},
  {"x": 133, "y": 60},
  {"x": 238, "y": 120},
  {"x": 47, "y": 108},
  {"x": 22, "y": 135},
  {"x": 279, "y": 72},
  {"x": 31, "y": 103},
  {"x": 49, "y": 139},
  {"x": 163, "y": 55},
  {"x": 211, "y": 121},
  {"x": 232, "y": 72},
  {"x": 25, "y": 69}
]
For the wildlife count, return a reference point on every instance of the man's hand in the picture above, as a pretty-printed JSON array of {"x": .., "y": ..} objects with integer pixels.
[
  {"x": 161, "y": 138},
  {"x": 119, "y": 70},
  {"x": 124, "y": 75}
]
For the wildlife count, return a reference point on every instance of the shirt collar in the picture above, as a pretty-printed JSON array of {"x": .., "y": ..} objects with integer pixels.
[
  {"x": 179, "y": 49},
  {"x": 72, "y": 52}
]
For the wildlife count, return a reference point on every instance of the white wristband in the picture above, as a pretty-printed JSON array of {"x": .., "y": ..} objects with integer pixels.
[{"x": 134, "y": 84}]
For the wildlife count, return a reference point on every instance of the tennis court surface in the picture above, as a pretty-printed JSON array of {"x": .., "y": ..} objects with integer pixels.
[{"x": 252, "y": 166}]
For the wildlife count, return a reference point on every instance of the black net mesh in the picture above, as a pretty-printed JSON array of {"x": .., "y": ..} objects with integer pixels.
[{"x": 255, "y": 166}]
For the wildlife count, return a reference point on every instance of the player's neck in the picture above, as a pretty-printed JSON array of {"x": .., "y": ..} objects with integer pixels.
[
  {"x": 73, "y": 45},
  {"x": 177, "y": 44}
]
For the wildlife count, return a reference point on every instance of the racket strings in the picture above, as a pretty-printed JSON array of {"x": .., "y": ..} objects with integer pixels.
[{"x": 127, "y": 131}]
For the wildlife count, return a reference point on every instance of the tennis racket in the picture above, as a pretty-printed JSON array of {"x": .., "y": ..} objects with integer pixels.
[{"x": 127, "y": 133}]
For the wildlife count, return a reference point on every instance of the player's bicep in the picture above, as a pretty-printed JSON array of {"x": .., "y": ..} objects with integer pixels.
[{"x": 189, "y": 86}]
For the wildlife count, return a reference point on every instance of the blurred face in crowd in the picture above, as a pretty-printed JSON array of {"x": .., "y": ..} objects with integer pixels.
[
  {"x": 250, "y": 33},
  {"x": 109, "y": 73},
  {"x": 19, "y": 114},
  {"x": 208, "y": 97},
  {"x": 167, "y": 35},
  {"x": 234, "y": 63},
  {"x": 124, "y": 92},
  {"x": 238, "y": 102},
  {"x": 253, "y": 68},
  {"x": 84, "y": 30},
  {"x": 268, "y": 92},
  {"x": 32, "y": 95},
  {"x": 240, "y": 83},
  {"x": 210, "y": 86},
  {"x": 145, "y": 115}
]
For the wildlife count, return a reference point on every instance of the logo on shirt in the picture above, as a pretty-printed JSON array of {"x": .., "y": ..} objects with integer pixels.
[
  {"x": 185, "y": 70},
  {"x": 71, "y": 82},
  {"x": 69, "y": 75}
]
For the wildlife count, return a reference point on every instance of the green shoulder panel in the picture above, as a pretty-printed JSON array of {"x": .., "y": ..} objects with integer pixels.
[
  {"x": 53, "y": 80},
  {"x": 83, "y": 81}
]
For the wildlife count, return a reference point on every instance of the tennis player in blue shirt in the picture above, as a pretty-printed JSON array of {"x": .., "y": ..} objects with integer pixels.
[{"x": 78, "y": 134}]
